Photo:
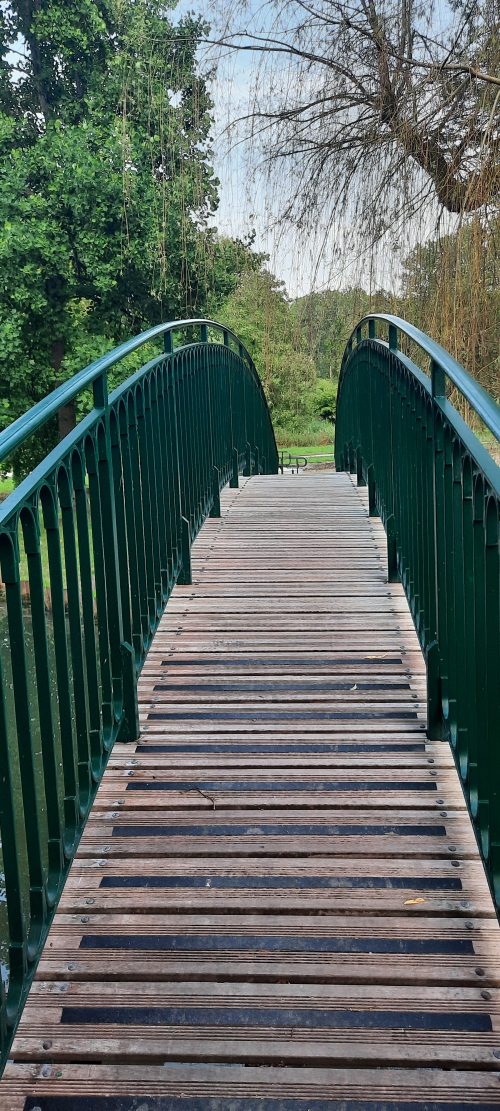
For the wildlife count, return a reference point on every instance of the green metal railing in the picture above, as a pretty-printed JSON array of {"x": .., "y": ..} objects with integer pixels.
[
  {"x": 437, "y": 490},
  {"x": 101, "y": 530}
]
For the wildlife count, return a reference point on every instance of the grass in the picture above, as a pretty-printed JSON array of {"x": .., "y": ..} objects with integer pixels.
[
  {"x": 23, "y": 558},
  {"x": 491, "y": 444},
  {"x": 308, "y": 449},
  {"x": 315, "y": 438},
  {"x": 6, "y": 486}
]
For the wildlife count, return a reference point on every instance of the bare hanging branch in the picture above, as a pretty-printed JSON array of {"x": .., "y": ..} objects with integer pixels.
[{"x": 349, "y": 91}]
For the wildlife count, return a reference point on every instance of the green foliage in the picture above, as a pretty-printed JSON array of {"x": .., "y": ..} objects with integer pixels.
[
  {"x": 228, "y": 261},
  {"x": 105, "y": 187},
  {"x": 260, "y": 313},
  {"x": 325, "y": 398},
  {"x": 328, "y": 318},
  {"x": 315, "y": 437},
  {"x": 451, "y": 289},
  {"x": 297, "y": 347}
]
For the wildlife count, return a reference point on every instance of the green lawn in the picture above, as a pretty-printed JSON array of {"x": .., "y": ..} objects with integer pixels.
[
  {"x": 309, "y": 449},
  {"x": 491, "y": 444},
  {"x": 6, "y": 486}
]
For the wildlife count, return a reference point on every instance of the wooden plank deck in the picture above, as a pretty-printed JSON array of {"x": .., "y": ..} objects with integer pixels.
[{"x": 278, "y": 903}]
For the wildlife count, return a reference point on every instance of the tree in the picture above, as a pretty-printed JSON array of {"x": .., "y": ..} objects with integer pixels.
[
  {"x": 106, "y": 183},
  {"x": 451, "y": 289},
  {"x": 229, "y": 261},
  {"x": 327, "y": 319},
  {"x": 325, "y": 398},
  {"x": 377, "y": 106},
  {"x": 260, "y": 314}
]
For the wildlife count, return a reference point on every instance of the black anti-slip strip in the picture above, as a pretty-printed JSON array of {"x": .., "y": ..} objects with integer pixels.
[
  {"x": 254, "y": 1103},
  {"x": 284, "y": 661},
  {"x": 278, "y": 1018},
  {"x": 289, "y": 749},
  {"x": 264, "y": 830},
  {"x": 201, "y": 943},
  {"x": 270, "y": 685},
  {"x": 281, "y": 715},
  {"x": 275, "y": 788},
  {"x": 318, "y": 883}
]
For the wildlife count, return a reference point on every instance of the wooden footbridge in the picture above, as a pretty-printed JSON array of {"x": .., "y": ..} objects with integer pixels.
[{"x": 278, "y": 901}]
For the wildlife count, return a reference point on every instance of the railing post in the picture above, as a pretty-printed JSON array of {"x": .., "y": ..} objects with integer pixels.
[
  {"x": 435, "y": 723},
  {"x": 9, "y": 828},
  {"x": 122, "y": 653},
  {"x": 438, "y": 380},
  {"x": 392, "y": 551},
  {"x": 235, "y": 477},
  {"x": 393, "y": 337},
  {"x": 235, "y": 460},
  {"x": 248, "y": 461},
  {"x": 434, "y": 714},
  {"x": 185, "y": 574},
  {"x": 27, "y": 802},
  {"x": 256, "y": 466},
  {"x": 215, "y": 510},
  {"x": 390, "y": 497},
  {"x": 359, "y": 468},
  {"x": 55, "y": 831},
  {"x": 372, "y": 507}
]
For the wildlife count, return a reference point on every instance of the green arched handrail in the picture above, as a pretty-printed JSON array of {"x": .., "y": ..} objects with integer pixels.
[
  {"x": 91, "y": 544},
  {"x": 437, "y": 490},
  {"x": 484, "y": 405},
  {"x": 17, "y": 432}
]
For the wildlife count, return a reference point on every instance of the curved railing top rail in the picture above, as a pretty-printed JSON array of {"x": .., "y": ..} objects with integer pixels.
[
  {"x": 20, "y": 430},
  {"x": 443, "y": 366}
]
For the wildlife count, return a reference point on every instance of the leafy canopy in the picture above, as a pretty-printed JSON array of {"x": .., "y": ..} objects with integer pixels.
[{"x": 106, "y": 184}]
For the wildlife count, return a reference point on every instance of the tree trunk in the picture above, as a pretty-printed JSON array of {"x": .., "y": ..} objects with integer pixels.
[
  {"x": 28, "y": 8},
  {"x": 66, "y": 417}
]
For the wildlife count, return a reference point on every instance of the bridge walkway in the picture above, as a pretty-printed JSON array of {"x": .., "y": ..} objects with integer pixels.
[{"x": 278, "y": 901}]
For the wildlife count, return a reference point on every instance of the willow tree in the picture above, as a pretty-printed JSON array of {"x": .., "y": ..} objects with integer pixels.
[
  {"x": 376, "y": 106},
  {"x": 451, "y": 288}
]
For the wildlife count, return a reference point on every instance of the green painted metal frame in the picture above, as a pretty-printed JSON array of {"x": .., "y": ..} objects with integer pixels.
[
  {"x": 437, "y": 490},
  {"x": 105, "y": 525}
]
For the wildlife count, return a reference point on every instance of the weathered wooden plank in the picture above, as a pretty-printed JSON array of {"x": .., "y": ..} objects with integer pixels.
[{"x": 204, "y": 1087}]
